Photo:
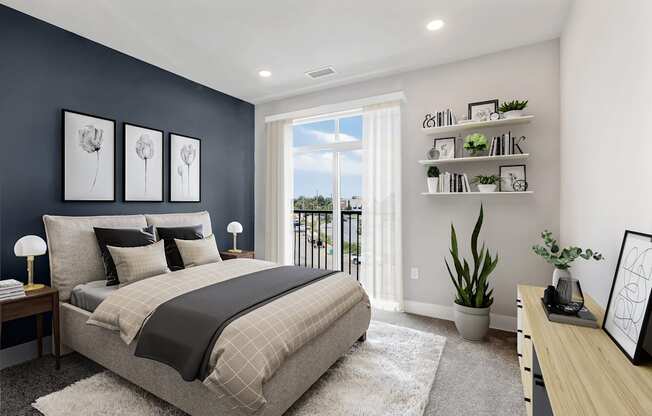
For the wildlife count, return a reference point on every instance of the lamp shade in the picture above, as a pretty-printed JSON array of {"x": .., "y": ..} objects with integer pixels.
[
  {"x": 30, "y": 245},
  {"x": 234, "y": 227}
]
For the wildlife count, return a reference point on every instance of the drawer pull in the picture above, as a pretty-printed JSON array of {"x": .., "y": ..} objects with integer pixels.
[
  {"x": 527, "y": 336},
  {"x": 520, "y": 331},
  {"x": 519, "y": 355},
  {"x": 528, "y": 369},
  {"x": 519, "y": 306},
  {"x": 526, "y": 399}
]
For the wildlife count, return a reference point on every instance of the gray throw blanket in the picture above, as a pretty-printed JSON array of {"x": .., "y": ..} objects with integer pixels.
[{"x": 182, "y": 331}]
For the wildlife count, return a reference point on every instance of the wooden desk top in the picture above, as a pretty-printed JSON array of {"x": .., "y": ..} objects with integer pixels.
[
  {"x": 46, "y": 291},
  {"x": 584, "y": 371}
]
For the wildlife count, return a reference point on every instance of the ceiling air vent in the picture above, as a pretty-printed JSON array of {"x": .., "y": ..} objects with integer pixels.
[{"x": 321, "y": 72}]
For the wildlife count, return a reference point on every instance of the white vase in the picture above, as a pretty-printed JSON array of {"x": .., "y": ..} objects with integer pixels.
[
  {"x": 558, "y": 273},
  {"x": 432, "y": 185},
  {"x": 487, "y": 188},
  {"x": 471, "y": 323},
  {"x": 513, "y": 114}
]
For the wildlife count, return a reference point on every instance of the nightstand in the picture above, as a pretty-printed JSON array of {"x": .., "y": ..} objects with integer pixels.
[
  {"x": 244, "y": 254},
  {"x": 36, "y": 302}
]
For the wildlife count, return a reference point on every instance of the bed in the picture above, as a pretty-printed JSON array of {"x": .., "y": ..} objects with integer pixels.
[{"x": 77, "y": 272}]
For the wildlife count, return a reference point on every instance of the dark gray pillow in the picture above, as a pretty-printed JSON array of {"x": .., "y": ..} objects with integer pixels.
[
  {"x": 168, "y": 234},
  {"x": 120, "y": 237}
]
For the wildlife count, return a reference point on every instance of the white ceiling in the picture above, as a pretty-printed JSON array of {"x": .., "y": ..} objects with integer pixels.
[{"x": 224, "y": 43}]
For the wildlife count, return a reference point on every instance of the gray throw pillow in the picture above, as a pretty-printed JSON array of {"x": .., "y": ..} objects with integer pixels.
[
  {"x": 137, "y": 263},
  {"x": 198, "y": 252}
]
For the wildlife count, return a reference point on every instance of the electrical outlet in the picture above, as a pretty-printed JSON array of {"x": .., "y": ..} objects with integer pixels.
[{"x": 414, "y": 273}]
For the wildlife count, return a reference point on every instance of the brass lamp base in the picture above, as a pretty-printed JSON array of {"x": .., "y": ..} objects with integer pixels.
[
  {"x": 33, "y": 286},
  {"x": 234, "y": 250}
]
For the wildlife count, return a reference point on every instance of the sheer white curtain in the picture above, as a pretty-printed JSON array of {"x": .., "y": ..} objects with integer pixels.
[
  {"x": 382, "y": 263},
  {"x": 278, "y": 192}
]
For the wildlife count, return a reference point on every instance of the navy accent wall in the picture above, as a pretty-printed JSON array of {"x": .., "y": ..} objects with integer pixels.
[{"x": 44, "y": 69}]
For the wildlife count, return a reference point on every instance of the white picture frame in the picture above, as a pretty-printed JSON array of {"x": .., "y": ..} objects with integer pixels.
[
  {"x": 143, "y": 164},
  {"x": 88, "y": 157},
  {"x": 628, "y": 309},
  {"x": 185, "y": 168},
  {"x": 446, "y": 147}
]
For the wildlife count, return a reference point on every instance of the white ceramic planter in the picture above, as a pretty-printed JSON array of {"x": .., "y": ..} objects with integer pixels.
[
  {"x": 471, "y": 323},
  {"x": 432, "y": 185},
  {"x": 487, "y": 188},
  {"x": 513, "y": 114},
  {"x": 560, "y": 273}
]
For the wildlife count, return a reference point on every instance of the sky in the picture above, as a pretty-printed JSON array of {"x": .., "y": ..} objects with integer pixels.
[{"x": 313, "y": 171}]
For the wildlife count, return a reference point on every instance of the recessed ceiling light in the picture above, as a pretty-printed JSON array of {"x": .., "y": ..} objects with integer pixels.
[
  {"x": 435, "y": 25},
  {"x": 265, "y": 73}
]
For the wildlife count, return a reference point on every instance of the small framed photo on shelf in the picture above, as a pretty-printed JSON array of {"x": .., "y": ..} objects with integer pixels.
[
  {"x": 628, "y": 310},
  {"x": 482, "y": 110},
  {"x": 446, "y": 147},
  {"x": 513, "y": 178}
]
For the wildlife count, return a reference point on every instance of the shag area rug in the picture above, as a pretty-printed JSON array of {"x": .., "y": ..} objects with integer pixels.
[{"x": 390, "y": 374}]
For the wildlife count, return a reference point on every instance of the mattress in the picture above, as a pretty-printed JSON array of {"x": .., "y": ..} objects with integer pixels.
[{"x": 89, "y": 295}]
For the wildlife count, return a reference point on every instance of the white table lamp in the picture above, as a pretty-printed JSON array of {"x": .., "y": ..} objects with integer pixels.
[
  {"x": 30, "y": 246},
  {"x": 234, "y": 228}
]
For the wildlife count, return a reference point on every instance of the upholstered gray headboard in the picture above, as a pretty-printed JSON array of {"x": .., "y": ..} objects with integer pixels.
[{"x": 74, "y": 254}]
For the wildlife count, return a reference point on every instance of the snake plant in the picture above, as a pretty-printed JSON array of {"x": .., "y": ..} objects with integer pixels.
[{"x": 472, "y": 287}]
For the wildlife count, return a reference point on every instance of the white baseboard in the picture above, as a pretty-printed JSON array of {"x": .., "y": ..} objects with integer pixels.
[
  {"x": 23, "y": 352},
  {"x": 502, "y": 322}
]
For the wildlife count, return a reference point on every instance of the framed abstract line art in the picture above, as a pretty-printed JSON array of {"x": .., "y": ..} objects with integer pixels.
[
  {"x": 482, "y": 110},
  {"x": 143, "y": 164},
  {"x": 513, "y": 178},
  {"x": 88, "y": 157},
  {"x": 185, "y": 168},
  {"x": 628, "y": 310},
  {"x": 445, "y": 147}
]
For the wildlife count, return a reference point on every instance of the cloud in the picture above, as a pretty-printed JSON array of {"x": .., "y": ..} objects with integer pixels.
[
  {"x": 322, "y": 162},
  {"x": 307, "y": 136}
]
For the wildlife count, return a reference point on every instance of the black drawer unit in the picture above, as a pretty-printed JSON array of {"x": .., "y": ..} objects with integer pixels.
[{"x": 540, "y": 402}]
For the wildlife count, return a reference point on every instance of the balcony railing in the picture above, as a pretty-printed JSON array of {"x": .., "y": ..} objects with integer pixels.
[{"x": 313, "y": 240}]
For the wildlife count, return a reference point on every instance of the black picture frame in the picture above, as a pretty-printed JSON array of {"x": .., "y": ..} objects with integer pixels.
[
  {"x": 487, "y": 102},
  {"x": 170, "y": 156},
  {"x": 64, "y": 161},
  {"x": 500, "y": 175},
  {"x": 639, "y": 353},
  {"x": 453, "y": 139},
  {"x": 124, "y": 163}
]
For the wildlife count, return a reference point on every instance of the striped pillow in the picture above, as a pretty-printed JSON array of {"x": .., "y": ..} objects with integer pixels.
[
  {"x": 137, "y": 263},
  {"x": 198, "y": 252}
]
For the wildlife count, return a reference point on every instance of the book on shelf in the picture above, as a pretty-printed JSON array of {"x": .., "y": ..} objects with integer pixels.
[
  {"x": 453, "y": 183},
  {"x": 444, "y": 118},
  {"x": 504, "y": 145},
  {"x": 10, "y": 289}
]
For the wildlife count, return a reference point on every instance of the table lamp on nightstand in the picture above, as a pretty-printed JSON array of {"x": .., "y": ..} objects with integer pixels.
[
  {"x": 30, "y": 246},
  {"x": 234, "y": 228}
]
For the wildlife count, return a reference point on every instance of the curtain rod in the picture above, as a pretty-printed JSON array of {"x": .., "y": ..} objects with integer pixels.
[{"x": 338, "y": 107}]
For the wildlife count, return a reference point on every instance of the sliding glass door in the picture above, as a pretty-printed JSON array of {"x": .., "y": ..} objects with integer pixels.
[{"x": 327, "y": 192}]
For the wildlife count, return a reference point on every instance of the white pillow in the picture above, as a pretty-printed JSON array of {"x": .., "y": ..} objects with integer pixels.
[
  {"x": 198, "y": 252},
  {"x": 137, "y": 263}
]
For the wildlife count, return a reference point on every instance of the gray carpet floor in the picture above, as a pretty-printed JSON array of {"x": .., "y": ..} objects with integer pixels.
[{"x": 478, "y": 378}]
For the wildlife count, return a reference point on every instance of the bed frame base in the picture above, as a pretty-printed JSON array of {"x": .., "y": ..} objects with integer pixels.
[{"x": 294, "y": 377}]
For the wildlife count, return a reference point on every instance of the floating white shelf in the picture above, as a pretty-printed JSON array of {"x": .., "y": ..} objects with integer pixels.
[
  {"x": 475, "y": 193},
  {"x": 474, "y": 125},
  {"x": 475, "y": 159}
]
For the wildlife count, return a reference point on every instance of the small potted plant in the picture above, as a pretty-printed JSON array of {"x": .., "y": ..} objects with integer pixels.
[
  {"x": 513, "y": 109},
  {"x": 433, "y": 179},
  {"x": 474, "y": 298},
  {"x": 487, "y": 183},
  {"x": 475, "y": 143},
  {"x": 562, "y": 258}
]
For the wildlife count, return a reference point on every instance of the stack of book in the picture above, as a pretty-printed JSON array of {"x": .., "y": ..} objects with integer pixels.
[
  {"x": 10, "y": 289},
  {"x": 443, "y": 118},
  {"x": 504, "y": 145},
  {"x": 454, "y": 182}
]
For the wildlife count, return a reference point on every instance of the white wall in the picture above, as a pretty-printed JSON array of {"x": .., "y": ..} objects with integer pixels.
[
  {"x": 512, "y": 223},
  {"x": 606, "y": 131}
]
